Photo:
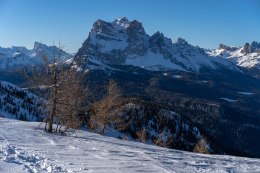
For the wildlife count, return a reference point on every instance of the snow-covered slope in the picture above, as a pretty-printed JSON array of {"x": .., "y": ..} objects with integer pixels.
[
  {"x": 124, "y": 42},
  {"x": 17, "y": 103},
  {"x": 26, "y": 148},
  {"x": 21, "y": 56},
  {"x": 247, "y": 56}
]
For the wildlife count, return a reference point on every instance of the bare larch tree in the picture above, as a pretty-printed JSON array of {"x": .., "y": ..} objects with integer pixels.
[
  {"x": 65, "y": 90},
  {"x": 104, "y": 110}
]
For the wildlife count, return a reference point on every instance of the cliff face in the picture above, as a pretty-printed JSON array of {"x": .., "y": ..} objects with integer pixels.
[{"x": 124, "y": 42}]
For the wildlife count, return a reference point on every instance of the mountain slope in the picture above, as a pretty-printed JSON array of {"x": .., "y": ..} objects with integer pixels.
[
  {"x": 136, "y": 120},
  {"x": 247, "y": 56},
  {"x": 21, "y": 151},
  {"x": 201, "y": 98},
  {"x": 17, "y": 103},
  {"x": 124, "y": 42},
  {"x": 13, "y": 57}
]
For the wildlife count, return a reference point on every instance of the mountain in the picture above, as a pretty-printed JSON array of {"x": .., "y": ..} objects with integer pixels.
[
  {"x": 25, "y": 147},
  {"x": 211, "y": 91},
  {"x": 17, "y": 103},
  {"x": 124, "y": 42},
  {"x": 247, "y": 56},
  {"x": 13, "y": 57}
]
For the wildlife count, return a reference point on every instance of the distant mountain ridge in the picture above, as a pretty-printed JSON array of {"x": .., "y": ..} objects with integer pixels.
[
  {"x": 124, "y": 42},
  {"x": 13, "y": 57},
  {"x": 247, "y": 56}
]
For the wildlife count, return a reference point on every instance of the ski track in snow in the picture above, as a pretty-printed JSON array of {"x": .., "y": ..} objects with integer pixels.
[
  {"x": 32, "y": 161},
  {"x": 27, "y": 149}
]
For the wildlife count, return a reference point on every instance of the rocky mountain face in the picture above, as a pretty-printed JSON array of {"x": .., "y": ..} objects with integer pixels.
[
  {"x": 247, "y": 56},
  {"x": 254, "y": 47},
  {"x": 13, "y": 57},
  {"x": 124, "y": 42}
]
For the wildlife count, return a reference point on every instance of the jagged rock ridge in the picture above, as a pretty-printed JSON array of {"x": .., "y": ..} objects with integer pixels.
[
  {"x": 13, "y": 57},
  {"x": 247, "y": 56},
  {"x": 124, "y": 42}
]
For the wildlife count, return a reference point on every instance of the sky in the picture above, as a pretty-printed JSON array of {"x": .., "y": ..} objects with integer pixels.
[{"x": 205, "y": 23}]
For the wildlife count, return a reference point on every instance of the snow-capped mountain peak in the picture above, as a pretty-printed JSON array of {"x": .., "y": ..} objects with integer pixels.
[
  {"x": 247, "y": 56},
  {"x": 254, "y": 47},
  {"x": 124, "y": 42},
  {"x": 228, "y": 48},
  {"x": 39, "y": 46},
  {"x": 10, "y": 58}
]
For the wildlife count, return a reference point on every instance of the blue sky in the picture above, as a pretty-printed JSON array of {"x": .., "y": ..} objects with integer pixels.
[{"x": 205, "y": 23}]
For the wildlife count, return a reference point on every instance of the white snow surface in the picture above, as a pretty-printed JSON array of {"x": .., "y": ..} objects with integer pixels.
[
  {"x": 152, "y": 61},
  {"x": 26, "y": 148},
  {"x": 116, "y": 40},
  {"x": 228, "y": 99},
  {"x": 246, "y": 93}
]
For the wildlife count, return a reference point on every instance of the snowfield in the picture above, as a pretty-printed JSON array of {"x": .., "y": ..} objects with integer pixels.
[{"x": 24, "y": 147}]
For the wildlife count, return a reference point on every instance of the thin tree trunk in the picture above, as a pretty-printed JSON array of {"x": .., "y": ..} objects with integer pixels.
[{"x": 54, "y": 104}]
